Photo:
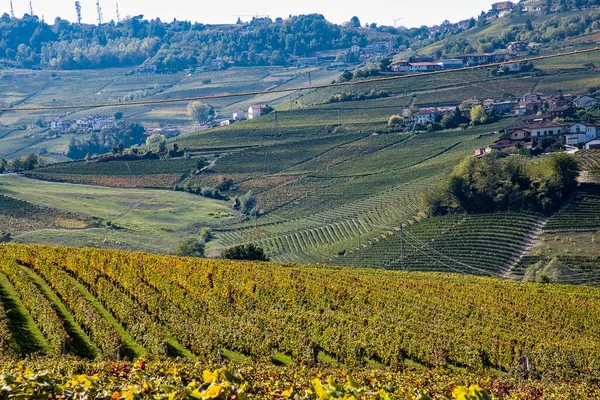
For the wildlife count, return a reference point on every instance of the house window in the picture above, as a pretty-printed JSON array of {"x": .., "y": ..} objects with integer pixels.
[
  {"x": 551, "y": 132},
  {"x": 545, "y": 133}
]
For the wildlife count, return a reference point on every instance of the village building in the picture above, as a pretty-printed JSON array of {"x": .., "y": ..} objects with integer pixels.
[
  {"x": 239, "y": 115},
  {"x": 424, "y": 58},
  {"x": 560, "y": 112},
  {"x": 593, "y": 144},
  {"x": 518, "y": 47},
  {"x": 427, "y": 115},
  {"x": 582, "y": 133},
  {"x": 226, "y": 122},
  {"x": 503, "y": 5},
  {"x": 585, "y": 101},
  {"x": 503, "y": 107},
  {"x": 61, "y": 124},
  {"x": 256, "y": 110},
  {"x": 548, "y": 130},
  {"x": 400, "y": 66},
  {"x": 424, "y": 67},
  {"x": 482, "y": 58},
  {"x": 453, "y": 63}
]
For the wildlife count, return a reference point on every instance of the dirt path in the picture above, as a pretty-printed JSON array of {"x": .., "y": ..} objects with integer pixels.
[{"x": 531, "y": 242}]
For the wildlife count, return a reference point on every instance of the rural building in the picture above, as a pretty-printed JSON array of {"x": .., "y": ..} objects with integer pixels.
[
  {"x": 559, "y": 100},
  {"x": 560, "y": 112},
  {"x": 400, "y": 66},
  {"x": 424, "y": 58},
  {"x": 308, "y": 61},
  {"x": 585, "y": 101},
  {"x": 238, "y": 115},
  {"x": 453, "y": 63},
  {"x": 355, "y": 48},
  {"x": 582, "y": 133},
  {"x": 518, "y": 47},
  {"x": 61, "y": 124},
  {"x": 427, "y": 115},
  {"x": 503, "y": 5},
  {"x": 503, "y": 143},
  {"x": 226, "y": 122},
  {"x": 256, "y": 110},
  {"x": 145, "y": 69},
  {"x": 521, "y": 134},
  {"x": 101, "y": 124},
  {"x": 424, "y": 67},
  {"x": 503, "y": 107},
  {"x": 528, "y": 108},
  {"x": 482, "y": 58},
  {"x": 513, "y": 67},
  {"x": 548, "y": 130},
  {"x": 593, "y": 144}
]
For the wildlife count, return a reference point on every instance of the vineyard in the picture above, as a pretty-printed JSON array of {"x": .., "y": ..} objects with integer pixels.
[
  {"x": 472, "y": 244},
  {"x": 113, "y": 304},
  {"x": 17, "y": 216}
]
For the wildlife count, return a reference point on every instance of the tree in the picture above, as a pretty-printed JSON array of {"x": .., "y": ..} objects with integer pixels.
[
  {"x": 478, "y": 114},
  {"x": 355, "y": 22},
  {"x": 162, "y": 147},
  {"x": 78, "y": 11},
  {"x": 199, "y": 112},
  {"x": 3, "y": 165},
  {"x": 395, "y": 120},
  {"x": 118, "y": 115},
  {"x": 248, "y": 252},
  {"x": 190, "y": 248}
]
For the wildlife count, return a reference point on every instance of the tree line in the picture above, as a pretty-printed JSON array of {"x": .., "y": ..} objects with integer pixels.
[
  {"x": 29, "y": 42},
  {"x": 497, "y": 182}
]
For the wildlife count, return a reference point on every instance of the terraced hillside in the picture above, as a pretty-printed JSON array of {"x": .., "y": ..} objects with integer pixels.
[
  {"x": 472, "y": 244},
  {"x": 101, "y": 303},
  {"x": 568, "y": 251}
]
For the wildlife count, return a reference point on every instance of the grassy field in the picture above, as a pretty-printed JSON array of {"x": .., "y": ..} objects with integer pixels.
[{"x": 154, "y": 220}]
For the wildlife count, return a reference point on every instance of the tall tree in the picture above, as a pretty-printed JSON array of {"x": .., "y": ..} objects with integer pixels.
[{"x": 78, "y": 11}]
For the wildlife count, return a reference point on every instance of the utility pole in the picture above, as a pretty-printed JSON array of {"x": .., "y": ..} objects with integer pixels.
[
  {"x": 118, "y": 15},
  {"x": 339, "y": 119},
  {"x": 359, "y": 238},
  {"x": 30, "y": 8},
  {"x": 99, "y": 10},
  {"x": 12, "y": 10},
  {"x": 309, "y": 80}
]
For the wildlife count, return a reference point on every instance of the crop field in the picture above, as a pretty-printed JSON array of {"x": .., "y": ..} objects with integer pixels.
[
  {"x": 139, "y": 218},
  {"x": 110, "y": 304}
]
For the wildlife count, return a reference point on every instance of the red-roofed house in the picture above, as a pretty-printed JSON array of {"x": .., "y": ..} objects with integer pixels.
[{"x": 256, "y": 110}]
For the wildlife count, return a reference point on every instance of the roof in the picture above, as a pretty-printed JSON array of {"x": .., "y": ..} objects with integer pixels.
[
  {"x": 585, "y": 124},
  {"x": 552, "y": 125},
  {"x": 424, "y": 64},
  {"x": 557, "y": 109}
]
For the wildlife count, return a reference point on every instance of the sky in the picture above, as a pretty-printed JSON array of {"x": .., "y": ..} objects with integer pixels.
[{"x": 383, "y": 12}]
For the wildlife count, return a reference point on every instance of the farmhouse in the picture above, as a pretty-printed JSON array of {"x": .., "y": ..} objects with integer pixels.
[
  {"x": 427, "y": 115},
  {"x": 226, "y": 122},
  {"x": 453, "y": 63},
  {"x": 585, "y": 101},
  {"x": 60, "y": 124},
  {"x": 582, "y": 133},
  {"x": 424, "y": 67},
  {"x": 238, "y": 115},
  {"x": 548, "y": 130},
  {"x": 560, "y": 112},
  {"x": 518, "y": 47},
  {"x": 400, "y": 66},
  {"x": 503, "y": 143},
  {"x": 593, "y": 144},
  {"x": 503, "y": 5},
  {"x": 256, "y": 110},
  {"x": 503, "y": 107},
  {"x": 482, "y": 58},
  {"x": 101, "y": 124},
  {"x": 521, "y": 134}
]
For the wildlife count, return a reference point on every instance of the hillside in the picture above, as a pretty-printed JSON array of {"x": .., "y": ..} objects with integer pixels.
[{"x": 98, "y": 303}]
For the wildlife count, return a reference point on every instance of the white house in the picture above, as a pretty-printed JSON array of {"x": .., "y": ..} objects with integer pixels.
[
  {"x": 593, "y": 144},
  {"x": 548, "y": 130},
  {"x": 101, "y": 124},
  {"x": 238, "y": 115},
  {"x": 582, "y": 133},
  {"x": 585, "y": 101},
  {"x": 424, "y": 67},
  {"x": 400, "y": 66},
  {"x": 256, "y": 110},
  {"x": 426, "y": 116},
  {"x": 226, "y": 122}
]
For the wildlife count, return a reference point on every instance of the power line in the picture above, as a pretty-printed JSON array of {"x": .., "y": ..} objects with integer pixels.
[{"x": 324, "y": 86}]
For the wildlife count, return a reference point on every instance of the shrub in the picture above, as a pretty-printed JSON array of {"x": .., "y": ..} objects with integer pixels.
[{"x": 248, "y": 252}]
